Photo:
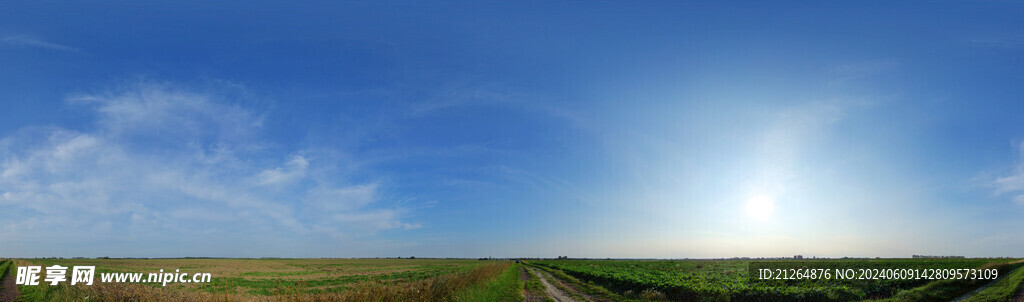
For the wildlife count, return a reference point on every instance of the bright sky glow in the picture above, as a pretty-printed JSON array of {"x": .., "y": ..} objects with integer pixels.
[
  {"x": 760, "y": 206},
  {"x": 441, "y": 129}
]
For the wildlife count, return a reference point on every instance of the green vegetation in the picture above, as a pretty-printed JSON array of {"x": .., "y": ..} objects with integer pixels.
[
  {"x": 730, "y": 279},
  {"x": 5, "y": 267},
  {"x": 6, "y": 271},
  {"x": 473, "y": 280},
  {"x": 42, "y": 292},
  {"x": 1002, "y": 290},
  {"x": 506, "y": 287},
  {"x": 287, "y": 280},
  {"x": 945, "y": 290}
]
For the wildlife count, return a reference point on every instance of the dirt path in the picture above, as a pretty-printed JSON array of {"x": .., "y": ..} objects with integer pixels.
[
  {"x": 552, "y": 291},
  {"x": 529, "y": 296},
  {"x": 9, "y": 292}
]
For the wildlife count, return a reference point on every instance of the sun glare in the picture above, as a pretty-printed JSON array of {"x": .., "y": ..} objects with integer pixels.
[{"x": 760, "y": 206}]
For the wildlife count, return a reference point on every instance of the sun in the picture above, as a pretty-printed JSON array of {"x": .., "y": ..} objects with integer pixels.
[{"x": 760, "y": 206}]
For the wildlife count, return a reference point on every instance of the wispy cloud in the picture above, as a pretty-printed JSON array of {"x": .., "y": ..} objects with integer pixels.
[
  {"x": 461, "y": 96},
  {"x": 464, "y": 95},
  {"x": 29, "y": 41},
  {"x": 167, "y": 162},
  {"x": 861, "y": 69},
  {"x": 1013, "y": 183},
  {"x": 1005, "y": 41},
  {"x": 294, "y": 169}
]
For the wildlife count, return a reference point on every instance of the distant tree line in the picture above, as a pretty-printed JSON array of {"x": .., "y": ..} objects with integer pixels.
[{"x": 938, "y": 257}]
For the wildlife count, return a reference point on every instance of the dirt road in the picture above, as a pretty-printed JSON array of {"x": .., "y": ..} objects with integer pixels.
[
  {"x": 552, "y": 291},
  {"x": 9, "y": 291},
  {"x": 529, "y": 295}
]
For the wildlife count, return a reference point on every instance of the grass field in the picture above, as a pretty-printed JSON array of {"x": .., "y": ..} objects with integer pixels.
[
  {"x": 290, "y": 279},
  {"x": 473, "y": 280}
]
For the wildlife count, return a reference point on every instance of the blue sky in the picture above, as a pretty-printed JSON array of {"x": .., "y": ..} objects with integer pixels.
[{"x": 467, "y": 129}]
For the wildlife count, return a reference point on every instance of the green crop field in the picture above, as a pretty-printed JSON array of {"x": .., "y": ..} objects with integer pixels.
[
  {"x": 534, "y": 280},
  {"x": 730, "y": 280}
]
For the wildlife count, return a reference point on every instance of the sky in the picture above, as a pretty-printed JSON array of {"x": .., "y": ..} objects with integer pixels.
[{"x": 653, "y": 129}]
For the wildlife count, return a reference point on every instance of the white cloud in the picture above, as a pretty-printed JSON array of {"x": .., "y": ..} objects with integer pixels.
[
  {"x": 1019, "y": 199},
  {"x": 28, "y": 41},
  {"x": 1010, "y": 183},
  {"x": 293, "y": 170},
  {"x": 149, "y": 110},
  {"x": 347, "y": 198},
  {"x": 127, "y": 179},
  {"x": 377, "y": 220},
  {"x": 1013, "y": 183}
]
